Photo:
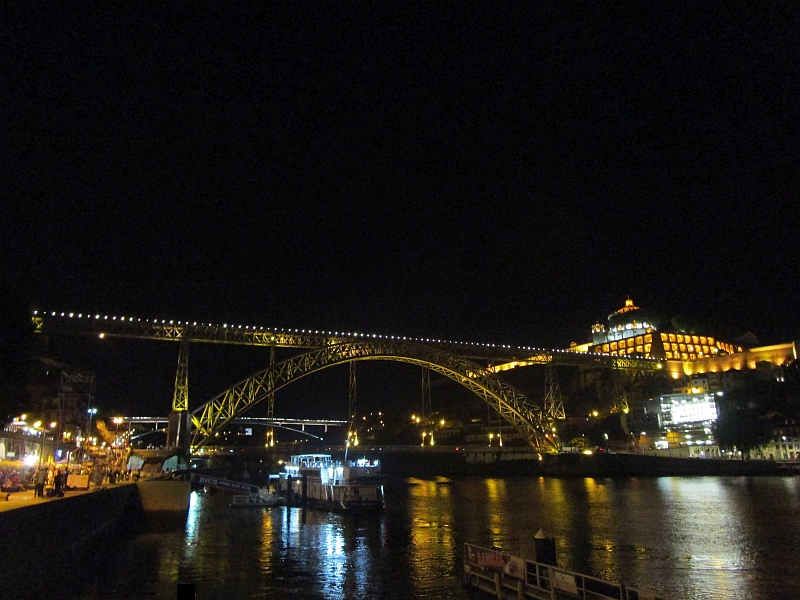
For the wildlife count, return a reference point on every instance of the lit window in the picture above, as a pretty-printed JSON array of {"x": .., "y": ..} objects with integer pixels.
[
  {"x": 640, "y": 348},
  {"x": 649, "y": 338},
  {"x": 684, "y": 356},
  {"x": 663, "y": 337},
  {"x": 680, "y": 338},
  {"x": 669, "y": 355},
  {"x": 703, "y": 339},
  {"x": 671, "y": 337},
  {"x": 647, "y": 348}
]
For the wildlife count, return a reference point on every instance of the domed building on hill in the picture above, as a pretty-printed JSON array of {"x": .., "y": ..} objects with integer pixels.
[{"x": 630, "y": 332}]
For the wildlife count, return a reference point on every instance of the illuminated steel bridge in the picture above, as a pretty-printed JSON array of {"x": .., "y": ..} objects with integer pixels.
[{"x": 474, "y": 366}]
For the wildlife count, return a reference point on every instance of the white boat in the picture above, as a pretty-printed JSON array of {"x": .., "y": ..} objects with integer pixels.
[
  {"x": 320, "y": 482},
  {"x": 263, "y": 498}
]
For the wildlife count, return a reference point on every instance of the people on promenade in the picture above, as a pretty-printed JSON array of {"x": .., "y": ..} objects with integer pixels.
[
  {"x": 41, "y": 479},
  {"x": 60, "y": 483}
]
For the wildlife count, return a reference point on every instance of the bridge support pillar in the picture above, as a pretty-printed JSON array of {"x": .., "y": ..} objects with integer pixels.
[{"x": 179, "y": 429}]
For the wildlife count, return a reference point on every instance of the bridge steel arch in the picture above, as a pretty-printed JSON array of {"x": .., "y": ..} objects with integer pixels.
[{"x": 507, "y": 401}]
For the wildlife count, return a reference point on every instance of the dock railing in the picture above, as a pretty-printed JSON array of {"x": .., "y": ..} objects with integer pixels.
[{"x": 510, "y": 577}]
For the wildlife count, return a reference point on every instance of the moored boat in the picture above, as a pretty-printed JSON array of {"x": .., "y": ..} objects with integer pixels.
[
  {"x": 321, "y": 482},
  {"x": 265, "y": 498}
]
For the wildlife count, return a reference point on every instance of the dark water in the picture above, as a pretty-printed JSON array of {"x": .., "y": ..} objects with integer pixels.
[{"x": 705, "y": 537}]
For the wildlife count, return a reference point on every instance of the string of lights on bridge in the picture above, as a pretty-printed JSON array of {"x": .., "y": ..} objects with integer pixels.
[{"x": 98, "y": 317}]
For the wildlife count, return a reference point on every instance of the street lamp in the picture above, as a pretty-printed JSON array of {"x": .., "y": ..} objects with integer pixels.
[
  {"x": 91, "y": 412},
  {"x": 117, "y": 421}
]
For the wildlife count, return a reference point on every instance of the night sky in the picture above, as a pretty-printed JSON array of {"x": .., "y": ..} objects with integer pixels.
[{"x": 497, "y": 172}]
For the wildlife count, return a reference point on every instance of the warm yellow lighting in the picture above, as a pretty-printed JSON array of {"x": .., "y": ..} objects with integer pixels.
[
  {"x": 53, "y": 425},
  {"x": 594, "y": 413},
  {"x": 441, "y": 422},
  {"x": 102, "y": 335},
  {"x": 37, "y": 424}
]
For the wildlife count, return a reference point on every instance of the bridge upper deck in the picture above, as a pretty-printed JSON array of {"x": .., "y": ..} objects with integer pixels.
[{"x": 504, "y": 356}]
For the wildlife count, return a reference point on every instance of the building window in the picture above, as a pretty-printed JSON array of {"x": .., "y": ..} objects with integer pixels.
[
  {"x": 671, "y": 337},
  {"x": 669, "y": 355}
]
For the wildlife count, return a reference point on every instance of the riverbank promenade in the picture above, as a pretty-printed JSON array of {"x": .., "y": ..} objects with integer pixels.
[{"x": 13, "y": 500}]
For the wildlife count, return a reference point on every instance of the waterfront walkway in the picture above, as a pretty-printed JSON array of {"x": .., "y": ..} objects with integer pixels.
[{"x": 27, "y": 498}]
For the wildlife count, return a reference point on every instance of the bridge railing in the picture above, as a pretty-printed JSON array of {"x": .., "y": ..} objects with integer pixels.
[{"x": 507, "y": 576}]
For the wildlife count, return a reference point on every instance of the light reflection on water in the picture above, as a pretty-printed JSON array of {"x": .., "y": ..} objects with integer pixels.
[{"x": 704, "y": 538}]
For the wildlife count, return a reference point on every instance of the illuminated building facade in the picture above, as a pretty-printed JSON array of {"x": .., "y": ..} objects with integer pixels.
[
  {"x": 699, "y": 367},
  {"x": 629, "y": 332}
]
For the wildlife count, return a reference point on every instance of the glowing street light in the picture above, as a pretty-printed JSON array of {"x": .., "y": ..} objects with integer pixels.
[{"x": 117, "y": 421}]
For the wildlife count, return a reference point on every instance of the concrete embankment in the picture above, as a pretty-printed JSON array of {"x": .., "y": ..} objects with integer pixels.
[
  {"x": 47, "y": 546},
  {"x": 521, "y": 461},
  {"x": 637, "y": 465}
]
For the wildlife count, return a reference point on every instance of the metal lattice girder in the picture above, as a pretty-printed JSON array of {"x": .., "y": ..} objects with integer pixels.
[
  {"x": 352, "y": 397},
  {"x": 175, "y": 331},
  {"x": 180, "y": 397},
  {"x": 553, "y": 402},
  {"x": 508, "y": 402}
]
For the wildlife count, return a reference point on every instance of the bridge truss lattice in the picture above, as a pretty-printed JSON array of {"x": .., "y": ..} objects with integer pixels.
[{"x": 511, "y": 404}]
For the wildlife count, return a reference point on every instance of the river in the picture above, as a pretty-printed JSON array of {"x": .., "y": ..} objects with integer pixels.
[{"x": 692, "y": 537}]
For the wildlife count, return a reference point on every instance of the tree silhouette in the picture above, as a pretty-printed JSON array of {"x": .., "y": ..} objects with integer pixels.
[{"x": 744, "y": 421}]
